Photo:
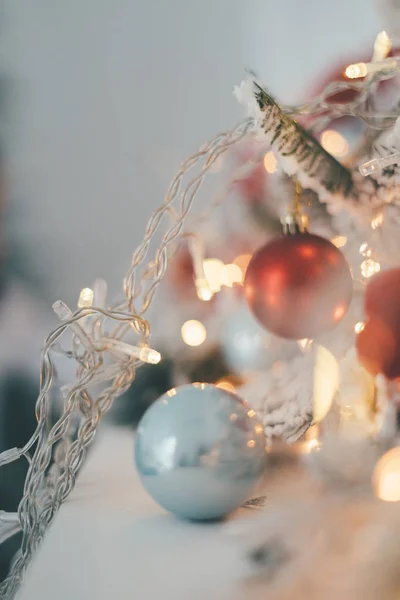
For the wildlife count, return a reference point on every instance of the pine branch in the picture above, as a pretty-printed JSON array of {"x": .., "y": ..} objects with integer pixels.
[{"x": 290, "y": 141}]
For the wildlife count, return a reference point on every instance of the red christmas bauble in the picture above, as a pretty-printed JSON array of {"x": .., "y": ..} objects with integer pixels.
[
  {"x": 298, "y": 286},
  {"x": 378, "y": 349},
  {"x": 382, "y": 298}
]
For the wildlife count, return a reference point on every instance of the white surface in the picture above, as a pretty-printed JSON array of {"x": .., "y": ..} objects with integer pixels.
[
  {"x": 111, "y": 96},
  {"x": 111, "y": 541}
]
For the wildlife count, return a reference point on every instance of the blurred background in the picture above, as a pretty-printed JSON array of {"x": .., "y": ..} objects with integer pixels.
[{"x": 100, "y": 101}]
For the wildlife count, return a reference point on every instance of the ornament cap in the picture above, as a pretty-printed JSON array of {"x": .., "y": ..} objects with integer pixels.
[{"x": 294, "y": 222}]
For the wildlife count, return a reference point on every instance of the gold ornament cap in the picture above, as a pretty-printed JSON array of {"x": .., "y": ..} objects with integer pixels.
[{"x": 294, "y": 222}]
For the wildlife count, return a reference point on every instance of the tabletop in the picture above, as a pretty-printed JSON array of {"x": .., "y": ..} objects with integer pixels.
[{"x": 111, "y": 540}]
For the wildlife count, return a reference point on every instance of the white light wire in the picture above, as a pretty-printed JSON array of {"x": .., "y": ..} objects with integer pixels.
[{"x": 58, "y": 453}]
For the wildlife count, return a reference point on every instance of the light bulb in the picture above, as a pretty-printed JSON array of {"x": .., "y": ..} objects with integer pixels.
[
  {"x": 377, "y": 221},
  {"x": 193, "y": 333},
  {"x": 213, "y": 271},
  {"x": 326, "y": 382},
  {"x": 334, "y": 143},
  {"x": 242, "y": 261},
  {"x": 270, "y": 162},
  {"x": 369, "y": 267},
  {"x": 339, "y": 241},
  {"x": 85, "y": 298},
  {"x": 359, "y": 327},
  {"x": 231, "y": 274},
  {"x": 386, "y": 476}
]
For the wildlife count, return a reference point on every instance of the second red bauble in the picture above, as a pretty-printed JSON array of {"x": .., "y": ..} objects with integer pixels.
[{"x": 298, "y": 286}]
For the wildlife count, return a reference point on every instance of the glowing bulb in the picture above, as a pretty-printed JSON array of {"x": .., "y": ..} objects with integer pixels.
[
  {"x": 85, "y": 298},
  {"x": 150, "y": 356},
  {"x": 242, "y": 261},
  {"x": 355, "y": 71},
  {"x": 377, "y": 221},
  {"x": 270, "y": 162},
  {"x": 339, "y": 241},
  {"x": 326, "y": 382},
  {"x": 193, "y": 333},
  {"x": 231, "y": 274},
  {"x": 251, "y": 413},
  {"x": 369, "y": 267},
  {"x": 251, "y": 443},
  {"x": 359, "y": 327},
  {"x": 382, "y": 46},
  {"x": 386, "y": 476},
  {"x": 365, "y": 250},
  {"x": 305, "y": 343},
  {"x": 203, "y": 290},
  {"x": 213, "y": 271},
  {"x": 225, "y": 384},
  {"x": 334, "y": 143}
]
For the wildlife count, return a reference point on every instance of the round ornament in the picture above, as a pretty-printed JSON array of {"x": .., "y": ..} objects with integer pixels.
[
  {"x": 382, "y": 298},
  {"x": 298, "y": 286},
  {"x": 378, "y": 349},
  {"x": 200, "y": 451},
  {"x": 246, "y": 346},
  {"x": 378, "y": 344}
]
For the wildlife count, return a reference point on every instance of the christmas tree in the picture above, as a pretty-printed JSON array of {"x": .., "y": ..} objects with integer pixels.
[{"x": 285, "y": 290}]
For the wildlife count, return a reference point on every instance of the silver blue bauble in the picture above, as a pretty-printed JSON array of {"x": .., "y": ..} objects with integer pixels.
[
  {"x": 246, "y": 346},
  {"x": 200, "y": 451}
]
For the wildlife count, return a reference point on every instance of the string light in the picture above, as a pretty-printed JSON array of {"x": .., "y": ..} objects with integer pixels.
[
  {"x": 365, "y": 250},
  {"x": 362, "y": 69},
  {"x": 377, "y": 221},
  {"x": 85, "y": 298},
  {"x": 326, "y": 382},
  {"x": 377, "y": 164},
  {"x": 232, "y": 274},
  {"x": 339, "y": 241},
  {"x": 242, "y": 261},
  {"x": 369, "y": 267},
  {"x": 193, "y": 333},
  {"x": 143, "y": 353},
  {"x": 334, "y": 143},
  {"x": 382, "y": 46},
  {"x": 270, "y": 162},
  {"x": 359, "y": 327},
  {"x": 386, "y": 476},
  {"x": 214, "y": 273}
]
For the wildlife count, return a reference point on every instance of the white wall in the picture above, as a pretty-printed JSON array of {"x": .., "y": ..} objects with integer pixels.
[{"x": 111, "y": 95}]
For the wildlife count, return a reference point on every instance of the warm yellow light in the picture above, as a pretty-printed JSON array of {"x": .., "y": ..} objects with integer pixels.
[
  {"x": 382, "y": 46},
  {"x": 242, "y": 261},
  {"x": 357, "y": 70},
  {"x": 270, "y": 162},
  {"x": 326, "y": 382},
  {"x": 213, "y": 271},
  {"x": 203, "y": 290},
  {"x": 85, "y": 298},
  {"x": 251, "y": 413},
  {"x": 148, "y": 355},
  {"x": 305, "y": 343},
  {"x": 386, "y": 476},
  {"x": 359, "y": 327},
  {"x": 365, "y": 250},
  {"x": 377, "y": 221},
  {"x": 231, "y": 274},
  {"x": 334, "y": 143},
  {"x": 251, "y": 443},
  {"x": 225, "y": 384},
  {"x": 193, "y": 333},
  {"x": 369, "y": 267},
  {"x": 339, "y": 241},
  {"x": 259, "y": 429}
]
